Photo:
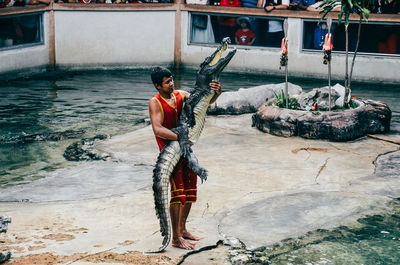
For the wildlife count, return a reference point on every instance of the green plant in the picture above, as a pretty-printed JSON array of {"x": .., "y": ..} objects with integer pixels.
[
  {"x": 360, "y": 7},
  {"x": 338, "y": 108},
  {"x": 353, "y": 104},
  {"x": 280, "y": 101}
]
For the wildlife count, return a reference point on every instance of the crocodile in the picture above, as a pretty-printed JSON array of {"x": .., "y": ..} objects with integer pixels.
[{"x": 189, "y": 127}]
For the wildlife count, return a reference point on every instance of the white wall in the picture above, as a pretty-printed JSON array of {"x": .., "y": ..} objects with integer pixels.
[
  {"x": 92, "y": 39},
  {"x": 24, "y": 61},
  {"x": 85, "y": 38},
  {"x": 301, "y": 63}
]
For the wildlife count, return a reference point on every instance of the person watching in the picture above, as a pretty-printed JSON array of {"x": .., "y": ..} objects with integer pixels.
[{"x": 244, "y": 35}]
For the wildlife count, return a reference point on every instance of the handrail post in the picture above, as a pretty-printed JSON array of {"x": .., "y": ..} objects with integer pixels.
[
  {"x": 178, "y": 33},
  {"x": 52, "y": 52}
]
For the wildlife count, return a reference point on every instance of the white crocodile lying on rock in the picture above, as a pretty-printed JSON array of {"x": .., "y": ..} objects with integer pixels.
[{"x": 248, "y": 100}]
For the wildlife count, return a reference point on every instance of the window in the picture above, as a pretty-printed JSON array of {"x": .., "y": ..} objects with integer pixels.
[
  {"x": 243, "y": 30},
  {"x": 374, "y": 38},
  {"x": 20, "y": 30}
]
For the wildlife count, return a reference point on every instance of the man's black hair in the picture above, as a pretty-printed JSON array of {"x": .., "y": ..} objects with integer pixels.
[{"x": 158, "y": 74}]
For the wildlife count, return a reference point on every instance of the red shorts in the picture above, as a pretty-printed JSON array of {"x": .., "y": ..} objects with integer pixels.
[{"x": 183, "y": 183}]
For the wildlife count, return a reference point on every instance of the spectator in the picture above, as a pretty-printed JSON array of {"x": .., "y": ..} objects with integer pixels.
[
  {"x": 214, "y": 2},
  {"x": 319, "y": 35},
  {"x": 250, "y": 3},
  {"x": 234, "y": 3},
  {"x": 227, "y": 25},
  {"x": 387, "y": 34},
  {"x": 316, "y": 7},
  {"x": 201, "y": 30},
  {"x": 244, "y": 35},
  {"x": 27, "y": 28},
  {"x": 301, "y": 4},
  {"x": 36, "y": 2},
  {"x": 312, "y": 32},
  {"x": 4, "y": 3},
  {"x": 255, "y": 24},
  {"x": 387, "y": 7},
  {"x": 275, "y": 33},
  {"x": 19, "y": 3}
]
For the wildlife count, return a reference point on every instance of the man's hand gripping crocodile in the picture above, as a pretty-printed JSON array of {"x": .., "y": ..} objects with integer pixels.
[{"x": 189, "y": 127}]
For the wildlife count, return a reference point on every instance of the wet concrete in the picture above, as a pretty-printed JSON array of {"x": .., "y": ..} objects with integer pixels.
[
  {"x": 83, "y": 181},
  {"x": 261, "y": 189}
]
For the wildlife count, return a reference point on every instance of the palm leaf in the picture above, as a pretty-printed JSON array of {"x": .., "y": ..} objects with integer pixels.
[
  {"x": 346, "y": 17},
  {"x": 340, "y": 15},
  {"x": 350, "y": 2},
  {"x": 366, "y": 13}
]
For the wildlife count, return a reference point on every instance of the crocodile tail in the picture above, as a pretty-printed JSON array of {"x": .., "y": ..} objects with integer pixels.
[{"x": 166, "y": 162}]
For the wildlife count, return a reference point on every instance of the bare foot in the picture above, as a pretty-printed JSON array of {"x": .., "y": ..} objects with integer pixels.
[
  {"x": 189, "y": 236},
  {"x": 182, "y": 243}
]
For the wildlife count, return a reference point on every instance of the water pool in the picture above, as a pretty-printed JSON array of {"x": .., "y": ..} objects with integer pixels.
[
  {"x": 115, "y": 102},
  {"x": 105, "y": 102}
]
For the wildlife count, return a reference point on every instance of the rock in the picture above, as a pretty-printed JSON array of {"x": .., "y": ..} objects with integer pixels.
[
  {"x": 240, "y": 259},
  {"x": 386, "y": 175},
  {"x": 4, "y": 221},
  {"x": 370, "y": 117},
  {"x": 319, "y": 96},
  {"x": 85, "y": 151},
  {"x": 261, "y": 260},
  {"x": 233, "y": 242},
  {"x": 340, "y": 90},
  {"x": 248, "y": 100},
  {"x": 4, "y": 258},
  {"x": 243, "y": 256}
]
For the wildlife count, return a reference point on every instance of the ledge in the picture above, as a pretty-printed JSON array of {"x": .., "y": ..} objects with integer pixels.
[
  {"x": 190, "y": 7},
  {"x": 16, "y": 10},
  {"x": 115, "y": 7}
]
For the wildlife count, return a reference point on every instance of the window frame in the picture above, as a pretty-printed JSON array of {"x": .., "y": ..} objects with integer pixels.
[
  {"x": 242, "y": 47},
  {"x": 41, "y": 40},
  {"x": 313, "y": 51}
]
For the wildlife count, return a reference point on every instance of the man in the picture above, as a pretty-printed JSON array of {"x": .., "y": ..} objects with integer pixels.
[
  {"x": 275, "y": 31},
  {"x": 164, "y": 109}
]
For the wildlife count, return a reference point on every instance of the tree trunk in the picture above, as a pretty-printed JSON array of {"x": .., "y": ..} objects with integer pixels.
[
  {"x": 346, "y": 79},
  {"x": 355, "y": 52}
]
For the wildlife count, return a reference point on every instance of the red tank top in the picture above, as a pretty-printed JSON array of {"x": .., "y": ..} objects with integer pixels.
[{"x": 170, "y": 114}]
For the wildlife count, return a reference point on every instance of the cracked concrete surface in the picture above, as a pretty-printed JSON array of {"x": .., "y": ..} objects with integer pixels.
[{"x": 258, "y": 191}]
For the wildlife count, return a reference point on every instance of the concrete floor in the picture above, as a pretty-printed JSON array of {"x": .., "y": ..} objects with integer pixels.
[{"x": 261, "y": 189}]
